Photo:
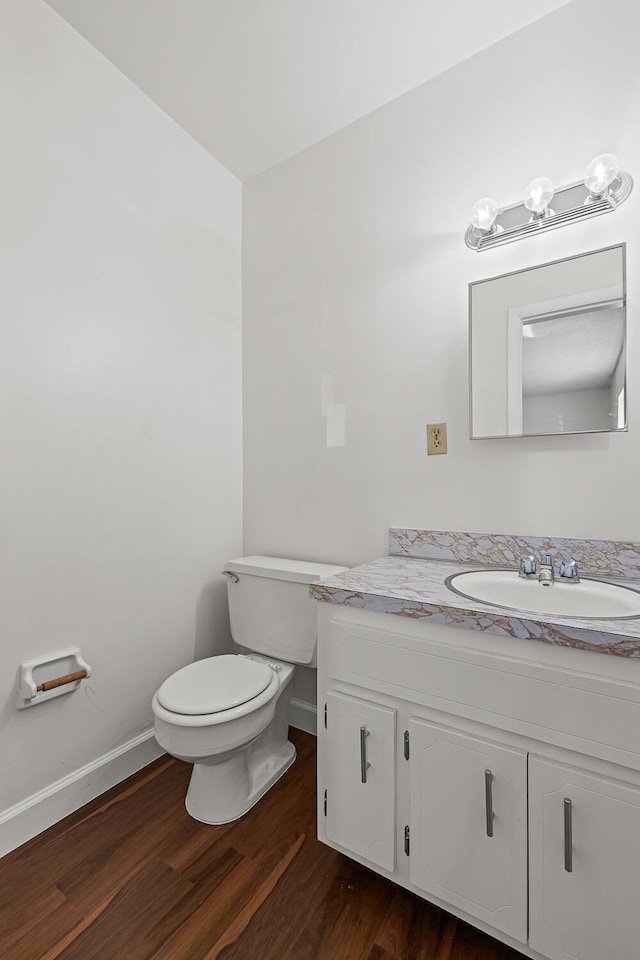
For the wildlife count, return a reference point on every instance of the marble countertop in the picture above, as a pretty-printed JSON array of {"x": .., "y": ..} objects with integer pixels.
[{"x": 410, "y": 587}]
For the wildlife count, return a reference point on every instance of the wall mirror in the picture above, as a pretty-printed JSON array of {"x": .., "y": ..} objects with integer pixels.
[{"x": 547, "y": 348}]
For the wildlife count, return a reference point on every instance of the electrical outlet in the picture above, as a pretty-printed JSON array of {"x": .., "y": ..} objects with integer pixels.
[{"x": 436, "y": 438}]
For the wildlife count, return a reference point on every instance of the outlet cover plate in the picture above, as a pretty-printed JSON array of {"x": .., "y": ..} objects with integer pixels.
[{"x": 436, "y": 438}]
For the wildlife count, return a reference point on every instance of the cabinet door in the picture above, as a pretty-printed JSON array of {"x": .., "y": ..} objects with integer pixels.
[
  {"x": 584, "y": 864},
  {"x": 469, "y": 824},
  {"x": 360, "y": 755}
]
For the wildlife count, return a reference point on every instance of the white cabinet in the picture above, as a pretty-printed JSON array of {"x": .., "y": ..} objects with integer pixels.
[
  {"x": 584, "y": 834},
  {"x": 468, "y": 816},
  {"x": 361, "y": 788},
  {"x": 499, "y": 741}
]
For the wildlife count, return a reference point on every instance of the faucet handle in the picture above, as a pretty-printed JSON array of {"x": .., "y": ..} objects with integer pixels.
[
  {"x": 528, "y": 566},
  {"x": 569, "y": 571}
]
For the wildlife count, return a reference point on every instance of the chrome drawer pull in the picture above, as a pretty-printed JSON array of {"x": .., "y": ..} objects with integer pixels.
[
  {"x": 488, "y": 801},
  {"x": 568, "y": 836},
  {"x": 364, "y": 765}
]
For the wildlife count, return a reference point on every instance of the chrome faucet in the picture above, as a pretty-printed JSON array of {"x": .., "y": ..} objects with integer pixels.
[
  {"x": 545, "y": 572},
  {"x": 546, "y": 575}
]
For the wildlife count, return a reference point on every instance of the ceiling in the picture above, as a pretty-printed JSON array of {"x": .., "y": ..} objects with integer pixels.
[
  {"x": 573, "y": 353},
  {"x": 256, "y": 81}
]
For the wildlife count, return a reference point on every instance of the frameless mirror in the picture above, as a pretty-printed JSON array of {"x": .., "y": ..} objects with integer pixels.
[{"x": 547, "y": 348}]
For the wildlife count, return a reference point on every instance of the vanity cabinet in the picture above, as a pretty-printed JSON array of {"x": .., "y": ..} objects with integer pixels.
[
  {"x": 584, "y": 848},
  {"x": 502, "y": 781}
]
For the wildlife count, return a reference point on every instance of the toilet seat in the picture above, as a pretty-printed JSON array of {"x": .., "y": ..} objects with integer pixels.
[
  {"x": 214, "y": 684},
  {"x": 277, "y": 676}
]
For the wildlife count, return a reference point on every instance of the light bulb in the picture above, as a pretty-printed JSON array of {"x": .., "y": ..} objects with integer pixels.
[
  {"x": 483, "y": 214},
  {"x": 538, "y": 195},
  {"x": 601, "y": 173}
]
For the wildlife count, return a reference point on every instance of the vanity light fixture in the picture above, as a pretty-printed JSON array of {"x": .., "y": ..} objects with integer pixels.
[{"x": 603, "y": 189}]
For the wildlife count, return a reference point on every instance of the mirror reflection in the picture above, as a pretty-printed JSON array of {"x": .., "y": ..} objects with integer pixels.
[{"x": 548, "y": 348}]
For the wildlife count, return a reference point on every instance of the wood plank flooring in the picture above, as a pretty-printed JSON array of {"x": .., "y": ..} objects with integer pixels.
[{"x": 131, "y": 876}]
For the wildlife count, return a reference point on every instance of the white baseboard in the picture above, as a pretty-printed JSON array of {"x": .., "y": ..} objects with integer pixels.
[
  {"x": 303, "y": 716},
  {"x": 30, "y": 817}
]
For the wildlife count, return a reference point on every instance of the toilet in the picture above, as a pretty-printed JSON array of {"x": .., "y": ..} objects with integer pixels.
[{"x": 228, "y": 715}]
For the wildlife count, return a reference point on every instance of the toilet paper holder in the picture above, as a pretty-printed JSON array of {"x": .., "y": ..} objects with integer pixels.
[{"x": 52, "y": 676}]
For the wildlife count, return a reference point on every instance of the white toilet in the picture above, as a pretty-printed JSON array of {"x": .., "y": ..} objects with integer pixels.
[{"x": 228, "y": 714}]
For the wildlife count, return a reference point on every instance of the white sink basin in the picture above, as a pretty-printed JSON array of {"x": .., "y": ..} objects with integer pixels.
[{"x": 588, "y": 598}]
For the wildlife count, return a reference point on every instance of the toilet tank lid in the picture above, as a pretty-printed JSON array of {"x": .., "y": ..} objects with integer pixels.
[{"x": 278, "y": 568}]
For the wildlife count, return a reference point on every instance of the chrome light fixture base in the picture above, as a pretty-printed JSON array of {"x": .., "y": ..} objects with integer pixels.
[{"x": 571, "y": 204}]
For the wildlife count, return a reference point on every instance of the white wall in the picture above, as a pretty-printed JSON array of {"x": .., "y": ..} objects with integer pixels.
[
  {"x": 120, "y": 394},
  {"x": 567, "y": 411},
  {"x": 355, "y": 266}
]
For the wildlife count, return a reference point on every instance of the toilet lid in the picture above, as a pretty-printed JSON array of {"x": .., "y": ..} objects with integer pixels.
[{"x": 214, "y": 684}]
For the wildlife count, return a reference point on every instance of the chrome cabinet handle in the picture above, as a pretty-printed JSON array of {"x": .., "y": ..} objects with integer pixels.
[
  {"x": 568, "y": 836},
  {"x": 364, "y": 765},
  {"x": 488, "y": 801}
]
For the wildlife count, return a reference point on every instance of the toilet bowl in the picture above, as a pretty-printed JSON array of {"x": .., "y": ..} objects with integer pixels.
[{"x": 228, "y": 715}]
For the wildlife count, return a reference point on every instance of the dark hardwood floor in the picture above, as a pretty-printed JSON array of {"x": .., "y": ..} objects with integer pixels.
[{"x": 131, "y": 876}]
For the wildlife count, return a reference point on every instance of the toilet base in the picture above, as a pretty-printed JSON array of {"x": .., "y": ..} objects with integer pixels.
[{"x": 223, "y": 792}]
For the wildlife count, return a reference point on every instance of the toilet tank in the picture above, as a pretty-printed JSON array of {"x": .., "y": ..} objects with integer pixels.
[{"x": 270, "y": 609}]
